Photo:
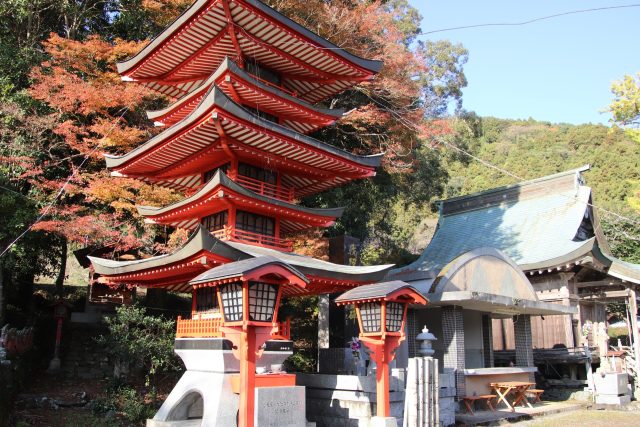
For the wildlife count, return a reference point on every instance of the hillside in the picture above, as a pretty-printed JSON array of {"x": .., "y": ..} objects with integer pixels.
[{"x": 531, "y": 149}]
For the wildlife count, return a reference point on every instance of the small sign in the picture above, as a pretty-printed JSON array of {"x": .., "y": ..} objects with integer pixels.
[{"x": 280, "y": 407}]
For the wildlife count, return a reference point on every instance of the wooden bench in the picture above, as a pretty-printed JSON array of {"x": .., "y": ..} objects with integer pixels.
[
  {"x": 470, "y": 400},
  {"x": 536, "y": 393}
]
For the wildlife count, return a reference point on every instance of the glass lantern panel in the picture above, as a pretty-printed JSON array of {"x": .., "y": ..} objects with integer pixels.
[
  {"x": 231, "y": 296},
  {"x": 371, "y": 316},
  {"x": 394, "y": 316},
  {"x": 262, "y": 301}
]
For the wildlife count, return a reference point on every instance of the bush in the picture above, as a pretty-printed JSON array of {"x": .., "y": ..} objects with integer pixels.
[{"x": 138, "y": 340}]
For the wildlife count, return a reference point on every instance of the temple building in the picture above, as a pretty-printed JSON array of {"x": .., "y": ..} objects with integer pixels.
[{"x": 503, "y": 269}]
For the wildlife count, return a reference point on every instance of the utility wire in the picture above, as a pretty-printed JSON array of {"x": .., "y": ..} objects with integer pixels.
[
  {"x": 529, "y": 21},
  {"x": 412, "y": 127},
  {"x": 64, "y": 186}
]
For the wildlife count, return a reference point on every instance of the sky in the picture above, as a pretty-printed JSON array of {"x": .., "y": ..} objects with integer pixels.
[{"x": 558, "y": 70}]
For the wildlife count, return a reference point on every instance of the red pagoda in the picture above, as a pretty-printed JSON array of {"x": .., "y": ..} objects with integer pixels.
[{"x": 247, "y": 85}]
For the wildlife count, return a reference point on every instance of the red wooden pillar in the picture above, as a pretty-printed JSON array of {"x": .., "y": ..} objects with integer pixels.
[
  {"x": 382, "y": 388},
  {"x": 247, "y": 365}
]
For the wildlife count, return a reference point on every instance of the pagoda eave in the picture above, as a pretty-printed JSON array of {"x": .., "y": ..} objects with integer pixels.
[
  {"x": 249, "y": 90},
  {"x": 242, "y": 130},
  {"x": 221, "y": 192},
  {"x": 200, "y": 39}
]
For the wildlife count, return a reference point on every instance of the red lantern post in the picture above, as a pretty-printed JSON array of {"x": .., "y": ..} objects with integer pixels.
[
  {"x": 249, "y": 295},
  {"x": 382, "y": 311},
  {"x": 61, "y": 310}
]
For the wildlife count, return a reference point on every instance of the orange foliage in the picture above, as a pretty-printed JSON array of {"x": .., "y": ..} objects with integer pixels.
[{"x": 163, "y": 12}]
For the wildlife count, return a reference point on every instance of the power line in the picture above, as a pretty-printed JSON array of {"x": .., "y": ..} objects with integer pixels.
[
  {"x": 411, "y": 126},
  {"x": 529, "y": 21},
  {"x": 63, "y": 187}
]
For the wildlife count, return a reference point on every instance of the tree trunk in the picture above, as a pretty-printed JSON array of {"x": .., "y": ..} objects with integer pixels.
[
  {"x": 1, "y": 295},
  {"x": 63, "y": 268}
]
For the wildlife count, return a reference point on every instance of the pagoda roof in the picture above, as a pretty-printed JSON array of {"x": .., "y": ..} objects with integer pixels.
[
  {"x": 535, "y": 223},
  {"x": 249, "y": 90},
  {"x": 182, "y": 56},
  {"x": 174, "y": 157},
  {"x": 220, "y": 191},
  {"x": 324, "y": 276}
]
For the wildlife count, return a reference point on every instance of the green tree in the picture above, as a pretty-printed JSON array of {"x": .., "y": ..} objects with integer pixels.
[{"x": 625, "y": 106}]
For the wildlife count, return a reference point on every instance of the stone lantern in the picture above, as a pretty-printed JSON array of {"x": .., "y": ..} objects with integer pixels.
[{"x": 425, "y": 338}]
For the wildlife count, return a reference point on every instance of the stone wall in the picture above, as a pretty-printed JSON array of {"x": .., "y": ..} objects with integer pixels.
[
  {"x": 447, "y": 382},
  {"x": 82, "y": 357}
]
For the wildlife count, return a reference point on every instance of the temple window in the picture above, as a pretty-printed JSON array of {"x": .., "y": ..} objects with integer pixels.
[
  {"x": 210, "y": 173},
  {"x": 217, "y": 221},
  {"x": 263, "y": 73},
  {"x": 257, "y": 173},
  {"x": 206, "y": 299},
  {"x": 263, "y": 115},
  {"x": 254, "y": 223}
]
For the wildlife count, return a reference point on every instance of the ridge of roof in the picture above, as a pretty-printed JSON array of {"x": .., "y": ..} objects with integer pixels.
[
  {"x": 229, "y": 65},
  {"x": 508, "y": 193}
]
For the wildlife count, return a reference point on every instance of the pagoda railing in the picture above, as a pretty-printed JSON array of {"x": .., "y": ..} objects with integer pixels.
[
  {"x": 243, "y": 236},
  {"x": 210, "y": 328},
  {"x": 266, "y": 189}
]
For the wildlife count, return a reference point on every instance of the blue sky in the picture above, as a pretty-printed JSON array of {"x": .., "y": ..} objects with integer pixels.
[{"x": 558, "y": 70}]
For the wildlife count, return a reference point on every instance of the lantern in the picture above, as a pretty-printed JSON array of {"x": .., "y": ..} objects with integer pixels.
[
  {"x": 381, "y": 309},
  {"x": 249, "y": 293}
]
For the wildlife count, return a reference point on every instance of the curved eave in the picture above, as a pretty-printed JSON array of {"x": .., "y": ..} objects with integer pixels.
[
  {"x": 201, "y": 240},
  {"x": 312, "y": 267},
  {"x": 218, "y": 99},
  {"x": 129, "y": 66},
  {"x": 229, "y": 66},
  {"x": 220, "y": 179},
  {"x": 578, "y": 254}
]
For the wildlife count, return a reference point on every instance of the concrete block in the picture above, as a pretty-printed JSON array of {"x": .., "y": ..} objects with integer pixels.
[
  {"x": 383, "y": 422},
  {"x": 185, "y": 423},
  {"x": 613, "y": 383},
  {"x": 609, "y": 399}
]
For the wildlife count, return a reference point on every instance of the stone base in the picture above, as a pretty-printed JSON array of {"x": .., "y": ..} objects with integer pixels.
[
  {"x": 609, "y": 399},
  {"x": 185, "y": 405},
  {"x": 185, "y": 423},
  {"x": 383, "y": 422}
]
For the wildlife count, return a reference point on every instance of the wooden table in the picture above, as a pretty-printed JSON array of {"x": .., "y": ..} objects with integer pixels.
[{"x": 517, "y": 388}]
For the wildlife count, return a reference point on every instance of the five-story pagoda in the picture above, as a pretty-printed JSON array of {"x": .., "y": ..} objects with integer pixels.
[
  {"x": 247, "y": 86},
  {"x": 246, "y": 83}
]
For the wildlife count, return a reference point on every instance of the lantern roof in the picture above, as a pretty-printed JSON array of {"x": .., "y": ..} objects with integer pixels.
[
  {"x": 253, "y": 92},
  {"x": 191, "y": 146},
  {"x": 221, "y": 190},
  {"x": 182, "y": 56},
  {"x": 255, "y": 269},
  {"x": 395, "y": 290}
]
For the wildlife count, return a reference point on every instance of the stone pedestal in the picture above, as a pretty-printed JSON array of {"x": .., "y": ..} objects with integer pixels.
[
  {"x": 383, "y": 422},
  {"x": 203, "y": 396}
]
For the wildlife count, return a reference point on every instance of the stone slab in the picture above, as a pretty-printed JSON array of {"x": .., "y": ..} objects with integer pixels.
[
  {"x": 280, "y": 407},
  {"x": 608, "y": 399},
  {"x": 383, "y": 422},
  {"x": 185, "y": 423}
]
